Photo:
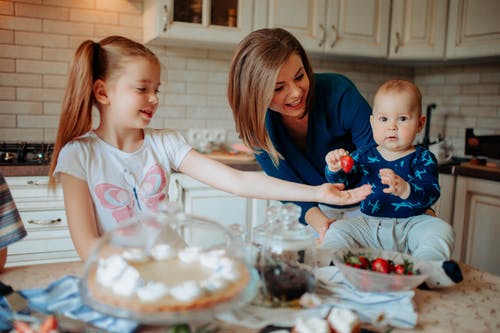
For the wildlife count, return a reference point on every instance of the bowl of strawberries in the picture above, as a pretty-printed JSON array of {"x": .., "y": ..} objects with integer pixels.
[{"x": 376, "y": 270}]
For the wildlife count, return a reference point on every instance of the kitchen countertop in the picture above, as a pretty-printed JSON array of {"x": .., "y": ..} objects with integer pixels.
[
  {"x": 471, "y": 306},
  {"x": 24, "y": 170},
  {"x": 468, "y": 170},
  {"x": 43, "y": 169},
  {"x": 488, "y": 173}
]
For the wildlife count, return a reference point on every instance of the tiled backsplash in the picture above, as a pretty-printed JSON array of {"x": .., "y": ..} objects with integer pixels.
[{"x": 37, "y": 42}]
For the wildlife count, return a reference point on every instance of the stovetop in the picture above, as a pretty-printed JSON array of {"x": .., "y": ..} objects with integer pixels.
[{"x": 24, "y": 153}]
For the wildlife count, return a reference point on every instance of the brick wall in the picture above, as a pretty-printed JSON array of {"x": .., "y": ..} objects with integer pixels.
[
  {"x": 466, "y": 96},
  {"x": 38, "y": 37}
]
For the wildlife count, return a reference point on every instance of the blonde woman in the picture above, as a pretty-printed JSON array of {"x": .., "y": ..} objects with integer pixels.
[{"x": 292, "y": 117}]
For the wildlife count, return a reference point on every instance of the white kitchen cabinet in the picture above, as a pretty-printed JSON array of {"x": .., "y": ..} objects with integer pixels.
[
  {"x": 197, "y": 23},
  {"x": 340, "y": 27},
  {"x": 225, "y": 208},
  {"x": 418, "y": 29},
  {"x": 477, "y": 224},
  {"x": 44, "y": 218},
  {"x": 444, "y": 206},
  {"x": 473, "y": 29}
]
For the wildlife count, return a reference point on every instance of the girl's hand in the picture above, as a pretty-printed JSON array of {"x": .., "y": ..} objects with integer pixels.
[
  {"x": 333, "y": 194},
  {"x": 332, "y": 159},
  {"x": 397, "y": 185}
]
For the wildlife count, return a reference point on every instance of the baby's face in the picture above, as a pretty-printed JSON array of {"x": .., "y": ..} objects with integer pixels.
[{"x": 395, "y": 121}]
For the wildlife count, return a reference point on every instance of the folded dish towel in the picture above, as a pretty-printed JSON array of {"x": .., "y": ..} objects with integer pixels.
[
  {"x": 63, "y": 296},
  {"x": 395, "y": 309}
]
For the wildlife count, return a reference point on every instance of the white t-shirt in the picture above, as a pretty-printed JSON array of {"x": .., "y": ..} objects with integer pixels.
[{"x": 123, "y": 184}]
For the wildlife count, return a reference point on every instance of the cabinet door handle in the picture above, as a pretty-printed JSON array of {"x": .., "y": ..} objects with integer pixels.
[
  {"x": 45, "y": 222},
  {"x": 165, "y": 18},
  {"x": 398, "y": 43},
  {"x": 334, "y": 36},
  {"x": 32, "y": 182},
  {"x": 323, "y": 37},
  {"x": 176, "y": 191}
]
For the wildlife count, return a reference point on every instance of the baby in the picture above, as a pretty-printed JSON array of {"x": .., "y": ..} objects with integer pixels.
[{"x": 404, "y": 181}]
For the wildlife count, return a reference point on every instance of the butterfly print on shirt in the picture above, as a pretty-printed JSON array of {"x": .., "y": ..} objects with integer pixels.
[{"x": 124, "y": 202}]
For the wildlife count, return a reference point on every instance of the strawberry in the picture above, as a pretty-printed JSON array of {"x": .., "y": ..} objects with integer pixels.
[
  {"x": 356, "y": 261},
  {"x": 364, "y": 262},
  {"x": 380, "y": 265},
  {"x": 391, "y": 265},
  {"x": 399, "y": 269},
  {"x": 346, "y": 162}
]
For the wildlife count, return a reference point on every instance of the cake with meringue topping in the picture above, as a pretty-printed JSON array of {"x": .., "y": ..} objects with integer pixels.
[{"x": 167, "y": 279}]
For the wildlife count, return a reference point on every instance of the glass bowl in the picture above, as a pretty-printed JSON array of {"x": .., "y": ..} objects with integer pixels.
[
  {"x": 372, "y": 281},
  {"x": 193, "y": 262}
]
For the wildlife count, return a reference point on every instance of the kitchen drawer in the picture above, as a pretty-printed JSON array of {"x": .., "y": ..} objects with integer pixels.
[
  {"x": 44, "y": 220},
  {"x": 44, "y": 217},
  {"x": 42, "y": 246},
  {"x": 32, "y": 187}
]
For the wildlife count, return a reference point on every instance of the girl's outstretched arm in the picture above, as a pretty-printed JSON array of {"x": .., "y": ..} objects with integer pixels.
[
  {"x": 261, "y": 186},
  {"x": 80, "y": 214}
]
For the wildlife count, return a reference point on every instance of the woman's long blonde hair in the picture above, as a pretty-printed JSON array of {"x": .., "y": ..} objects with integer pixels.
[
  {"x": 252, "y": 77},
  {"x": 92, "y": 61}
]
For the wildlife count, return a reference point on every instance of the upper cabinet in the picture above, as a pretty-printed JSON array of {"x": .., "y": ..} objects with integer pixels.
[
  {"x": 197, "y": 22},
  {"x": 354, "y": 27},
  {"x": 418, "y": 29},
  {"x": 473, "y": 29},
  {"x": 381, "y": 29}
]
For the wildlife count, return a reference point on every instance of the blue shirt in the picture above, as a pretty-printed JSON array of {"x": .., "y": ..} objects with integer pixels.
[
  {"x": 419, "y": 169},
  {"x": 340, "y": 117}
]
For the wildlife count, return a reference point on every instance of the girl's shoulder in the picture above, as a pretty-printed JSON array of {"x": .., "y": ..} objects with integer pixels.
[
  {"x": 166, "y": 139},
  {"x": 160, "y": 132},
  {"x": 164, "y": 135},
  {"x": 83, "y": 142}
]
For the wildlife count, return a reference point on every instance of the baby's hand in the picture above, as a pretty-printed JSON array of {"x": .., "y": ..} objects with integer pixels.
[
  {"x": 333, "y": 159},
  {"x": 397, "y": 185}
]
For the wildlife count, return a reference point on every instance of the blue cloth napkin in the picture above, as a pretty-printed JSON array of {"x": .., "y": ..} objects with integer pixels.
[
  {"x": 63, "y": 296},
  {"x": 395, "y": 309}
]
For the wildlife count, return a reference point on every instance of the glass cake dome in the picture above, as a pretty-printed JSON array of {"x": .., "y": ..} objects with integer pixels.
[{"x": 168, "y": 268}]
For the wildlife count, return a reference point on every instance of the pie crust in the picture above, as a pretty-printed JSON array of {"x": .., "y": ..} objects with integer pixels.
[{"x": 170, "y": 272}]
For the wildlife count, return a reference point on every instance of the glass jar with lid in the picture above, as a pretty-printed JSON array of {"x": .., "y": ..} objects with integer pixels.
[{"x": 287, "y": 259}]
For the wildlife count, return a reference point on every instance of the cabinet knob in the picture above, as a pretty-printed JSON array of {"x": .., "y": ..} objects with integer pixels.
[
  {"x": 323, "y": 36},
  {"x": 45, "y": 222},
  {"x": 32, "y": 182},
  {"x": 334, "y": 36}
]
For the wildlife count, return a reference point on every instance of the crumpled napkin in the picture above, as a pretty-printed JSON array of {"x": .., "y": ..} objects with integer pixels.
[
  {"x": 394, "y": 309},
  {"x": 63, "y": 296}
]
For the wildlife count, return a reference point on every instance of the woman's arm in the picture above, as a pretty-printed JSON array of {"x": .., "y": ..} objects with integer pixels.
[
  {"x": 80, "y": 214},
  {"x": 261, "y": 186}
]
